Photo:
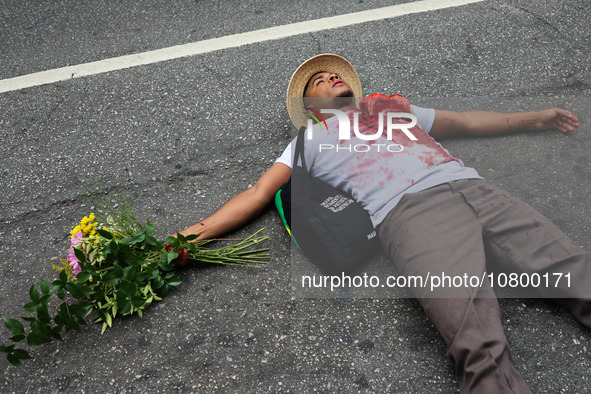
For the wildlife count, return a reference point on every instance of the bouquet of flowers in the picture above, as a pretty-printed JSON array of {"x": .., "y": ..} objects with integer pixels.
[{"x": 114, "y": 267}]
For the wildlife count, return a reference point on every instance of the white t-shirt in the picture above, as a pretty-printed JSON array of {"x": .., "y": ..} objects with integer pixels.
[{"x": 378, "y": 173}]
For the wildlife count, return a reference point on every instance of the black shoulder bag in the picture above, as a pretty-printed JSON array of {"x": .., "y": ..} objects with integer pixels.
[{"x": 327, "y": 224}]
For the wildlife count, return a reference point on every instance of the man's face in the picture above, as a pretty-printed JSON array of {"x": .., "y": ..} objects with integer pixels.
[{"x": 327, "y": 90}]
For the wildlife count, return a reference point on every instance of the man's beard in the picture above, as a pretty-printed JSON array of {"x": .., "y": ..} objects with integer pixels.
[
  {"x": 346, "y": 93},
  {"x": 345, "y": 99}
]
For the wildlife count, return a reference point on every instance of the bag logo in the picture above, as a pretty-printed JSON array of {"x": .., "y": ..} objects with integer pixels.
[{"x": 336, "y": 203}]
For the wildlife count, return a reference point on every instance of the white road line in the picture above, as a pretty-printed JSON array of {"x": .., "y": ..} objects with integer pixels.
[{"x": 231, "y": 41}]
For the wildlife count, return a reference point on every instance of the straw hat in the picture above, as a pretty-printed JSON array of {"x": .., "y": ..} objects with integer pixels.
[{"x": 321, "y": 63}]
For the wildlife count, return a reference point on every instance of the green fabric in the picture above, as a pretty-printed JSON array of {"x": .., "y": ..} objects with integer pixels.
[{"x": 279, "y": 205}]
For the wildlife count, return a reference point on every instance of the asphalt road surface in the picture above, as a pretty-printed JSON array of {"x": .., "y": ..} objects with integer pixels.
[{"x": 186, "y": 134}]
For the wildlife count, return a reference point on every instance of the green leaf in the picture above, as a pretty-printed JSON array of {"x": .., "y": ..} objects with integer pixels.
[
  {"x": 130, "y": 273},
  {"x": 80, "y": 308},
  {"x": 60, "y": 318},
  {"x": 80, "y": 255},
  {"x": 82, "y": 277},
  {"x": 149, "y": 229},
  {"x": 108, "y": 319},
  {"x": 173, "y": 254},
  {"x": 6, "y": 349},
  {"x": 34, "y": 294},
  {"x": 13, "y": 360},
  {"x": 14, "y": 326},
  {"x": 14, "y": 355},
  {"x": 139, "y": 237},
  {"x": 55, "y": 333},
  {"x": 174, "y": 282},
  {"x": 17, "y": 338},
  {"x": 72, "y": 324},
  {"x": 192, "y": 248},
  {"x": 166, "y": 266},
  {"x": 158, "y": 282},
  {"x": 56, "y": 285},
  {"x": 117, "y": 271},
  {"x": 129, "y": 287},
  {"x": 124, "y": 249},
  {"x": 32, "y": 340},
  {"x": 138, "y": 301},
  {"x": 46, "y": 299},
  {"x": 173, "y": 241},
  {"x": 164, "y": 290},
  {"x": 86, "y": 267},
  {"x": 100, "y": 316},
  {"x": 104, "y": 233},
  {"x": 134, "y": 259},
  {"x": 126, "y": 308},
  {"x": 42, "y": 331},
  {"x": 111, "y": 248},
  {"x": 21, "y": 354},
  {"x": 87, "y": 291},
  {"x": 74, "y": 290},
  {"x": 44, "y": 287},
  {"x": 163, "y": 257},
  {"x": 154, "y": 274},
  {"x": 141, "y": 278},
  {"x": 110, "y": 280},
  {"x": 152, "y": 241},
  {"x": 30, "y": 306},
  {"x": 63, "y": 277},
  {"x": 43, "y": 313},
  {"x": 191, "y": 237}
]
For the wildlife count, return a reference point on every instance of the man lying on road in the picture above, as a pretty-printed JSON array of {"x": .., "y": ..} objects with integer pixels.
[{"x": 432, "y": 214}]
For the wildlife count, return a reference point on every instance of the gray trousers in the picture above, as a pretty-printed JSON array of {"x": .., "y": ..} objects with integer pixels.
[{"x": 468, "y": 229}]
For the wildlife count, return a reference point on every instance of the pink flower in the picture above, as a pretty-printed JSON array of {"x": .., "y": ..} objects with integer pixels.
[{"x": 72, "y": 259}]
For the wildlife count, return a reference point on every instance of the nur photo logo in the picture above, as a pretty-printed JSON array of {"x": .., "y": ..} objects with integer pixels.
[{"x": 391, "y": 121}]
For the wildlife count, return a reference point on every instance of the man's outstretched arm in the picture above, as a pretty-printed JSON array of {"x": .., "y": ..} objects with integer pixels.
[
  {"x": 244, "y": 207},
  {"x": 483, "y": 123}
]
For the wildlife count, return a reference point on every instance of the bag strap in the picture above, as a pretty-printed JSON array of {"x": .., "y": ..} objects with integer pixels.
[{"x": 299, "y": 150}]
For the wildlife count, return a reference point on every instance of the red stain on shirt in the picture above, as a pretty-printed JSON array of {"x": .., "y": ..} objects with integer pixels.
[
  {"x": 378, "y": 167},
  {"x": 371, "y": 107}
]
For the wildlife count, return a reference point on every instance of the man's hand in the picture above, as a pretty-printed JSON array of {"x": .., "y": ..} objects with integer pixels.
[
  {"x": 182, "y": 259},
  {"x": 556, "y": 118}
]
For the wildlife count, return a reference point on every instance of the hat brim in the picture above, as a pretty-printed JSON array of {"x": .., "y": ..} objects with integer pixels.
[{"x": 326, "y": 62}]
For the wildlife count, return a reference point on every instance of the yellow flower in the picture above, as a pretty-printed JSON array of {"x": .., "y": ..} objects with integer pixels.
[
  {"x": 75, "y": 230},
  {"x": 64, "y": 267}
]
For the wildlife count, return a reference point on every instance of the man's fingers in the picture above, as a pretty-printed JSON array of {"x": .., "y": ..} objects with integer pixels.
[
  {"x": 570, "y": 118},
  {"x": 184, "y": 256},
  {"x": 563, "y": 129},
  {"x": 564, "y": 121}
]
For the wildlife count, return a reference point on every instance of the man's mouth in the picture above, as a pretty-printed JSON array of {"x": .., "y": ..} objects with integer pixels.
[{"x": 337, "y": 83}]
